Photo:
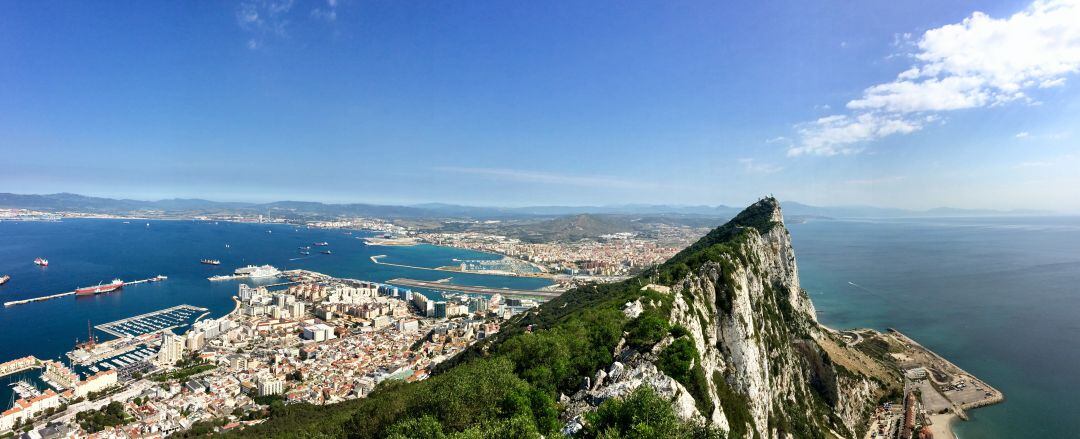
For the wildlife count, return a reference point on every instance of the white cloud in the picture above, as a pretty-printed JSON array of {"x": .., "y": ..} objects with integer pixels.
[
  {"x": 841, "y": 134},
  {"x": 754, "y": 167},
  {"x": 979, "y": 62},
  {"x": 1023, "y": 135},
  {"x": 525, "y": 176}
]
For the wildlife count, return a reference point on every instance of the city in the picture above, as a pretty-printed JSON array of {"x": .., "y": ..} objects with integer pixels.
[{"x": 318, "y": 340}]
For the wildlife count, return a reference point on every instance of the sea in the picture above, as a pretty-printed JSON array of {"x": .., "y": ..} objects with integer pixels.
[
  {"x": 84, "y": 252},
  {"x": 1000, "y": 297}
]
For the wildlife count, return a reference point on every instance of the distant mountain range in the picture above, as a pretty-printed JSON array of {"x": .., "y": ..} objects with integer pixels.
[{"x": 306, "y": 209}]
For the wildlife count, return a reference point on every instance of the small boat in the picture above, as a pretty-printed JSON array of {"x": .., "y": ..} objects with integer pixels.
[
  {"x": 305, "y": 253},
  {"x": 226, "y": 245},
  {"x": 321, "y": 244},
  {"x": 42, "y": 262},
  {"x": 210, "y": 262},
  {"x": 325, "y": 252},
  {"x": 4, "y": 279}
]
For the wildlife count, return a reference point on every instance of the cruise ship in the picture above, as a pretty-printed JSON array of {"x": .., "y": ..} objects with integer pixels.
[{"x": 257, "y": 272}]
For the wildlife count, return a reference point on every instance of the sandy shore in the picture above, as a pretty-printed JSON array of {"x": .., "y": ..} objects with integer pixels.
[{"x": 942, "y": 427}]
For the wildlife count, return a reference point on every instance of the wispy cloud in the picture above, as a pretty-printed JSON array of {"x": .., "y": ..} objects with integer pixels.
[
  {"x": 1065, "y": 159},
  {"x": 1023, "y": 135},
  {"x": 876, "y": 181},
  {"x": 843, "y": 134},
  {"x": 979, "y": 62},
  {"x": 328, "y": 13},
  {"x": 752, "y": 166},
  {"x": 262, "y": 19},
  {"x": 265, "y": 20},
  {"x": 525, "y": 176}
]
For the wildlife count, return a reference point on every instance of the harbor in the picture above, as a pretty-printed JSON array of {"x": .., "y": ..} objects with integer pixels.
[
  {"x": 474, "y": 289},
  {"x": 72, "y": 293},
  {"x": 153, "y": 322}
]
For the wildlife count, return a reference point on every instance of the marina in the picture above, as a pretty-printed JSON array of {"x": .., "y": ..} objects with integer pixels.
[
  {"x": 153, "y": 322},
  {"x": 72, "y": 293}
]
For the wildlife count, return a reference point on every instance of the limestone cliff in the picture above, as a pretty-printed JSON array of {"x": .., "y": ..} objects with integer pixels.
[{"x": 758, "y": 368}]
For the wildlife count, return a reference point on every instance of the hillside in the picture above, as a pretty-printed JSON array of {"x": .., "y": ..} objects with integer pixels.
[{"x": 720, "y": 341}]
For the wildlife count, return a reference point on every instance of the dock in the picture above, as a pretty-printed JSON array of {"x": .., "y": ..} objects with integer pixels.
[
  {"x": 72, "y": 293},
  {"x": 445, "y": 286},
  {"x": 151, "y": 322}
]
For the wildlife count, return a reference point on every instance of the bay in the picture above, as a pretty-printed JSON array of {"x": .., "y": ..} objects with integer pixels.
[{"x": 83, "y": 252}]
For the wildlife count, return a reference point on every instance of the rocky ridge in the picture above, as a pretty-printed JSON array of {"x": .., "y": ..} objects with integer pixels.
[{"x": 757, "y": 368}]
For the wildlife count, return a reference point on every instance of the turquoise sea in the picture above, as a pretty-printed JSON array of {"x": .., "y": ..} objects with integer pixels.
[
  {"x": 1000, "y": 297},
  {"x": 85, "y": 252}
]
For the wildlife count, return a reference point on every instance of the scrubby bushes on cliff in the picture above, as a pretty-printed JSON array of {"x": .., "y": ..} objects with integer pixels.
[
  {"x": 681, "y": 361},
  {"x": 643, "y": 415}
]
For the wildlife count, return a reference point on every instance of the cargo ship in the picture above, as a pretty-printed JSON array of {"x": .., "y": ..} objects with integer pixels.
[
  {"x": 211, "y": 262},
  {"x": 116, "y": 284},
  {"x": 42, "y": 262},
  {"x": 4, "y": 279}
]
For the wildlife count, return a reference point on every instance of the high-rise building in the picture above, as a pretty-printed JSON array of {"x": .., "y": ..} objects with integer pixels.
[
  {"x": 172, "y": 349},
  {"x": 270, "y": 385}
]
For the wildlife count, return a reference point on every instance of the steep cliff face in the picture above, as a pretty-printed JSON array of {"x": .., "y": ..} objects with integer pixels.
[{"x": 756, "y": 367}]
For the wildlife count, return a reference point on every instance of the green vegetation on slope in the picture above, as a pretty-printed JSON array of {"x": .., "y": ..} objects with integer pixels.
[
  {"x": 111, "y": 415},
  {"x": 643, "y": 414}
]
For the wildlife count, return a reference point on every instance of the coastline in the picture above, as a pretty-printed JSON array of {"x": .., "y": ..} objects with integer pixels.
[
  {"x": 942, "y": 426},
  {"x": 377, "y": 260}
]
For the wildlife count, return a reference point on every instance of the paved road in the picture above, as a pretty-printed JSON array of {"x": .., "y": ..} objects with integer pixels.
[{"x": 132, "y": 390}]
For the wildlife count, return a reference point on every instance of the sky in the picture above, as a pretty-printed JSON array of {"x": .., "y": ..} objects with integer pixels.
[{"x": 913, "y": 104}]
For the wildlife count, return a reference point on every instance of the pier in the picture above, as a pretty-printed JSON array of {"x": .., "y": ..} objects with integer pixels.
[
  {"x": 151, "y": 322},
  {"x": 72, "y": 293},
  {"x": 472, "y": 288}
]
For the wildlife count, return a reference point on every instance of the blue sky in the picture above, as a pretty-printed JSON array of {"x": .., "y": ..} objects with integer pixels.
[{"x": 909, "y": 104}]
